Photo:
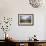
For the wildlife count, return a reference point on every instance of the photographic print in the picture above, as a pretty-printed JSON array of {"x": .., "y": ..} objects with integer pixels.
[{"x": 25, "y": 19}]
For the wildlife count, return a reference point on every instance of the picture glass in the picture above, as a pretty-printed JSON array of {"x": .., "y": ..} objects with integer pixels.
[{"x": 25, "y": 19}]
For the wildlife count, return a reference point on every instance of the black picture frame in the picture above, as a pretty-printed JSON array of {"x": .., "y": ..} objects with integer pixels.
[{"x": 25, "y": 19}]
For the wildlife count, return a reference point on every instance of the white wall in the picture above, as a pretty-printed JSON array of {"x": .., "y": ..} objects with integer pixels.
[{"x": 11, "y": 8}]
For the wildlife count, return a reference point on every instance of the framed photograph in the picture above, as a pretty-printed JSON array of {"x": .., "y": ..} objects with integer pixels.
[{"x": 25, "y": 19}]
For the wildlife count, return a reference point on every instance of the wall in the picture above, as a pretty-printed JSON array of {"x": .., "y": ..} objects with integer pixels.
[{"x": 11, "y": 8}]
